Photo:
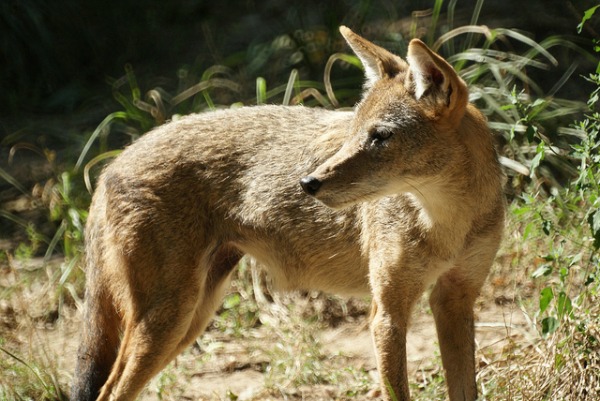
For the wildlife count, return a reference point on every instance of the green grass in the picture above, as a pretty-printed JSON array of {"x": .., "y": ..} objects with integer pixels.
[{"x": 27, "y": 380}]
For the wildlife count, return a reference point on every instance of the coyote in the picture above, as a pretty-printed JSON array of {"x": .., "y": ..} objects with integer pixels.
[{"x": 400, "y": 193}]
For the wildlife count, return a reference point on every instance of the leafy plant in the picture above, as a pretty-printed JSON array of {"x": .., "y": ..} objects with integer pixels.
[
  {"x": 500, "y": 82},
  {"x": 562, "y": 226}
]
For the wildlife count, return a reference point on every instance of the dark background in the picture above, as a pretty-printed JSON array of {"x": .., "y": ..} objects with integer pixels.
[{"x": 56, "y": 56}]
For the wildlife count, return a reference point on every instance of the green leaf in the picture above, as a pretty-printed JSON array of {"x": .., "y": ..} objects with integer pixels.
[
  {"x": 538, "y": 102},
  {"x": 543, "y": 270},
  {"x": 564, "y": 273},
  {"x": 549, "y": 325},
  {"x": 232, "y": 301},
  {"x": 564, "y": 304},
  {"x": 530, "y": 133},
  {"x": 594, "y": 222},
  {"x": 559, "y": 361},
  {"x": 535, "y": 162},
  {"x": 546, "y": 296},
  {"x": 528, "y": 229},
  {"x": 575, "y": 259},
  {"x": 589, "y": 13},
  {"x": 546, "y": 226},
  {"x": 590, "y": 279}
]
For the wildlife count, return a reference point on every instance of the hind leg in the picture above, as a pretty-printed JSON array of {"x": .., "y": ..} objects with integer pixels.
[
  {"x": 221, "y": 267},
  {"x": 148, "y": 341},
  {"x": 178, "y": 310}
]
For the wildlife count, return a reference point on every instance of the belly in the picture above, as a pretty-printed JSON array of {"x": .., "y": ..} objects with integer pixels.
[{"x": 313, "y": 253}]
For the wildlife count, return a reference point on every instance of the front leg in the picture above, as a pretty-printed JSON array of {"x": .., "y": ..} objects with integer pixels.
[
  {"x": 452, "y": 301},
  {"x": 390, "y": 314}
]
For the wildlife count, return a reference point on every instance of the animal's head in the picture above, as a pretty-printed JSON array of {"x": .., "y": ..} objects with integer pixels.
[{"x": 404, "y": 129}]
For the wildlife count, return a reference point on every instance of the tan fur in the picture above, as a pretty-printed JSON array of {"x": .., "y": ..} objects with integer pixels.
[{"x": 414, "y": 194}]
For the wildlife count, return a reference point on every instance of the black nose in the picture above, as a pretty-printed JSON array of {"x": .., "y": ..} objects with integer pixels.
[{"x": 310, "y": 185}]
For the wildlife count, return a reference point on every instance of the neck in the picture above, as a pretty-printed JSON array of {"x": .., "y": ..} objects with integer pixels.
[
  {"x": 450, "y": 209},
  {"x": 440, "y": 205}
]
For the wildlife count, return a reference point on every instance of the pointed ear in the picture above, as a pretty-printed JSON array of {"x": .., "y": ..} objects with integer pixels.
[
  {"x": 437, "y": 82},
  {"x": 378, "y": 62}
]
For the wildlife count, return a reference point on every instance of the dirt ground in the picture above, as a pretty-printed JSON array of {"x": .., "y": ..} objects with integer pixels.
[{"x": 243, "y": 365}]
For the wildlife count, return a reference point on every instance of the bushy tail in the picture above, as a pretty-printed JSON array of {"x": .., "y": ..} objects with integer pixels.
[{"x": 97, "y": 349}]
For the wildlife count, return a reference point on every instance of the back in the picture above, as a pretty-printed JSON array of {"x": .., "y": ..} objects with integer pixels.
[{"x": 241, "y": 168}]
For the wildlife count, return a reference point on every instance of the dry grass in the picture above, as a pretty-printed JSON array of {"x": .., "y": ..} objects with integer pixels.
[{"x": 564, "y": 364}]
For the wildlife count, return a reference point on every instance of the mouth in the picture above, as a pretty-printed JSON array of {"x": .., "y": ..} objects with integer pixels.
[
  {"x": 340, "y": 201},
  {"x": 338, "y": 194}
]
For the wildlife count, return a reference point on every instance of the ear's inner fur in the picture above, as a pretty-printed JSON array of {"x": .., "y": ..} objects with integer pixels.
[
  {"x": 436, "y": 82},
  {"x": 436, "y": 76}
]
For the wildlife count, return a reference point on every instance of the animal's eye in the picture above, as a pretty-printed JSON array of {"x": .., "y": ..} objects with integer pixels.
[{"x": 380, "y": 134}]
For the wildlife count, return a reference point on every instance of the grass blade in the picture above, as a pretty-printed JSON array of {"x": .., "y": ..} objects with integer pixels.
[
  {"x": 352, "y": 60},
  {"x": 12, "y": 181},
  {"x": 292, "y": 80},
  {"x": 104, "y": 125},
  {"x": 261, "y": 90},
  {"x": 93, "y": 162}
]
